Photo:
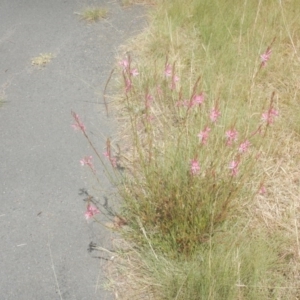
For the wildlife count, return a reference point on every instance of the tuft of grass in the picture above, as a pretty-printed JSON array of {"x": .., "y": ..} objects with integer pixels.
[
  {"x": 132, "y": 2},
  {"x": 3, "y": 93},
  {"x": 42, "y": 60},
  {"x": 94, "y": 14},
  {"x": 215, "y": 51},
  {"x": 224, "y": 268}
]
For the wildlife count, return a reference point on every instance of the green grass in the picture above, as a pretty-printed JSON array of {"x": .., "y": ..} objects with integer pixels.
[
  {"x": 94, "y": 14},
  {"x": 226, "y": 267},
  {"x": 212, "y": 235},
  {"x": 132, "y": 2}
]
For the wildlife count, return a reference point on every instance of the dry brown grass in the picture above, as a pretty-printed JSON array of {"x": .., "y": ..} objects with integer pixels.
[
  {"x": 128, "y": 274},
  {"x": 279, "y": 209},
  {"x": 42, "y": 60}
]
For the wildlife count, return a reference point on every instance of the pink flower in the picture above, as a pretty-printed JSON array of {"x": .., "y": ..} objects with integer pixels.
[
  {"x": 233, "y": 166},
  {"x": 214, "y": 114},
  {"x": 91, "y": 211},
  {"x": 270, "y": 115},
  {"x": 265, "y": 56},
  {"x": 203, "y": 135},
  {"x": 262, "y": 190},
  {"x": 87, "y": 161},
  {"x": 198, "y": 99},
  {"x": 244, "y": 146},
  {"x": 124, "y": 63},
  {"x": 134, "y": 72},
  {"x": 274, "y": 112},
  {"x": 78, "y": 124},
  {"x": 168, "y": 71},
  {"x": 231, "y": 136},
  {"x": 195, "y": 167}
]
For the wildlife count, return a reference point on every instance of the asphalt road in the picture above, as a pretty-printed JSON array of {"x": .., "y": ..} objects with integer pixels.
[{"x": 43, "y": 233}]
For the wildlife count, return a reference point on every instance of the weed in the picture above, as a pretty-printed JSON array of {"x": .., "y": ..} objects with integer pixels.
[
  {"x": 42, "y": 60},
  {"x": 94, "y": 14},
  {"x": 185, "y": 182}
]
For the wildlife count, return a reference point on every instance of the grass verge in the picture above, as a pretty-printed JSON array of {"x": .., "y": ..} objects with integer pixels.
[{"x": 210, "y": 143}]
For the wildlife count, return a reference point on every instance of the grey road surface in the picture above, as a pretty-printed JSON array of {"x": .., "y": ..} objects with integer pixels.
[{"x": 44, "y": 236}]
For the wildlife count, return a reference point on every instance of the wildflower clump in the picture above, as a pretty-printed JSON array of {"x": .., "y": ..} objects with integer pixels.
[{"x": 189, "y": 168}]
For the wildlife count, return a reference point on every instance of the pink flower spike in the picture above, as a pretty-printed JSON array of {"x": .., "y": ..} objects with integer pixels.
[
  {"x": 233, "y": 166},
  {"x": 203, "y": 135},
  {"x": 214, "y": 114},
  {"x": 243, "y": 148},
  {"x": 87, "y": 161},
  {"x": 195, "y": 167},
  {"x": 231, "y": 136},
  {"x": 91, "y": 211},
  {"x": 134, "y": 72},
  {"x": 78, "y": 124},
  {"x": 198, "y": 99},
  {"x": 168, "y": 71},
  {"x": 265, "y": 57}
]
